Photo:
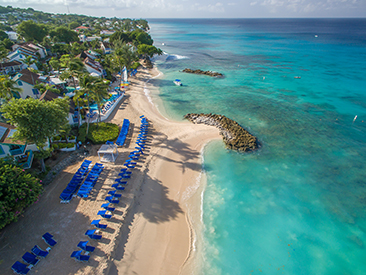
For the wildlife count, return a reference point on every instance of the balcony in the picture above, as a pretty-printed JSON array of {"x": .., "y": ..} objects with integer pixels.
[
  {"x": 17, "y": 151},
  {"x": 25, "y": 161}
]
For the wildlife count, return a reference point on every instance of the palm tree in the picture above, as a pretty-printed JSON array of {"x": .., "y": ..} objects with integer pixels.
[
  {"x": 124, "y": 55},
  {"x": 3, "y": 55},
  {"x": 75, "y": 67},
  {"x": 7, "y": 87},
  {"x": 87, "y": 85},
  {"x": 99, "y": 93}
]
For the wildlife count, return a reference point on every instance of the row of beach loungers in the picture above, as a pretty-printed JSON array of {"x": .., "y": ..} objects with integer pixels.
[
  {"x": 31, "y": 259},
  {"x": 123, "y": 133},
  {"x": 76, "y": 181},
  {"x": 82, "y": 182},
  {"x": 113, "y": 196},
  {"x": 109, "y": 104},
  {"x": 90, "y": 180}
]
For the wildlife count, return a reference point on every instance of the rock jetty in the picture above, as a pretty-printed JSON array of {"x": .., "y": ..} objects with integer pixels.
[
  {"x": 210, "y": 73},
  {"x": 234, "y": 136}
]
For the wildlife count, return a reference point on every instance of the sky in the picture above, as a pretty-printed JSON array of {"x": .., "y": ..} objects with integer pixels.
[{"x": 199, "y": 8}]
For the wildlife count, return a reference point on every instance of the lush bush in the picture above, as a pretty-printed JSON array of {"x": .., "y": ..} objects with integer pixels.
[
  {"x": 55, "y": 146},
  {"x": 99, "y": 133},
  {"x": 57, "y": 138},
  {"x": 18, "y": 189},
  {"x": 135, "y": 65}
]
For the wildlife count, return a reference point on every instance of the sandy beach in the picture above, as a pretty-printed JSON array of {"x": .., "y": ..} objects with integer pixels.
[{"x": 150, "y": 230}]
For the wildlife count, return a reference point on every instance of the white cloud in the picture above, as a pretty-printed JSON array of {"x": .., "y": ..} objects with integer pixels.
[{"x": 217, "y": 8}]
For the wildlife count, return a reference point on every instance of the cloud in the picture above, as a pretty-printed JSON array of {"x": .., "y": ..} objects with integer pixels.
[
  {"x": 253, "y": 3},
  {"x": 217, "y": 8}
]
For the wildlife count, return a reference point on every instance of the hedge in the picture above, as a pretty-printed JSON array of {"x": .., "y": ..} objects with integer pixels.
[
  {"x": 18, "y": 189},
  {"x": 99, "y": 133}
]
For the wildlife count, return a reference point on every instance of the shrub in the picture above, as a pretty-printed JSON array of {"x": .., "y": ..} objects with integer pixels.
[
  {"x": 99, "y": 133},
  {"x": 18, "y": 190},
  {"x": 56, "y": 138},
  {"x": 135, "y": 65},
  {"x": 55, "y": 146},
  {"x": 70, "y": 145}
]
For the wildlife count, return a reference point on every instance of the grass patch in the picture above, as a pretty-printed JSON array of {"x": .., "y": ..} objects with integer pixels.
[{"x": 99, "y": 133}]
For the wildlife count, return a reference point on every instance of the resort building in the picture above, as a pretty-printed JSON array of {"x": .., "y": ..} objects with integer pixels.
[
  {"x": 13, "y": 36},
  {"x": 106, "y": 47},
  {"x": 19, "y": 151},
  {"x": 94, "y": 67},
  {"x": 30, "y": 49},
  {"x": 26, "y": 80},
  {"x": 48, "y": 96},
  {"x": 11, "y": 67}
]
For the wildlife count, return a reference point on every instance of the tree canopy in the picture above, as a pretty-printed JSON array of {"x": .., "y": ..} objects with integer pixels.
[
  {"x": 37, "y": 121},
  {"x": 17, "y": 190},
  {"x": 32, "y": 31},
  {"x": 63, "y": 34}
]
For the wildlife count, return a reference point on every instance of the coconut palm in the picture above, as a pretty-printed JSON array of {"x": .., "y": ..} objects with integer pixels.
[
  {"x": 99, "y": 93},
  {"x": 7, "y": 87},
  {"x": 123, "y": 55},
  {"x": 87, "y": 85},
  {"x": 75, "y": 67}
]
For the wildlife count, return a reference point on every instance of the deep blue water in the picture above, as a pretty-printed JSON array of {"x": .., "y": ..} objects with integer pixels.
[{"x": 297, "y": 205}]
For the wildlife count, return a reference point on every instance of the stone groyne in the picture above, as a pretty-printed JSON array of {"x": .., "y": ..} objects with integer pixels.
[
  {"x": 234, "y": 136},
  {"x": 210, "y": 73}
]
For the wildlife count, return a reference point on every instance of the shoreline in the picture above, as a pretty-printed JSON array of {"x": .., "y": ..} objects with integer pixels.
[{"x": 179, "y": 236}]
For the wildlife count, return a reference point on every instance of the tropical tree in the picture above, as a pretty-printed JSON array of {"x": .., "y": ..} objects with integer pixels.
[
  {"x": 32, "y": 31},
  {"x": 46, "y": 87},
  {"x": 3, "y": 55},
  {"x": 74, "y": 68},
  {"x": 123, "y": 55},
  {"x": 37, "y": 121},
  {"x": 148, "y": 51},
  {"x": 87, "y": 85},
  {"x": 55, "y": 64},
  {"x": 18, "y": 189},
  {"x": 99, "y": 93},
  {"x": 63, "y": 34},
  {"x": 7, "y": 87}
]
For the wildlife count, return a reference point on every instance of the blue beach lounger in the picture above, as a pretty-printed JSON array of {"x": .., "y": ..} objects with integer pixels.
[
  {"x": 36, "y": 250},
  {"x": 118, "y": 187},
  {"x": 83, "y": 245},
  {"x": 104, "y": 214},
  {"x": 97, "y": 224},
  {"x": 48, "y": 238},
  {"x": 114, "y": 194},
  {"x": 91, "y": 234},
  {"x": 20, "y": 268},
  {"x": 112, "y": 200},
  {"x": 30, "y": 258},
  {"x": 79, "y": 257}
]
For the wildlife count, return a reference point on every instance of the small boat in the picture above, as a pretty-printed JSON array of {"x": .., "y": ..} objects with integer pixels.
[
  {"x": 297, "y": 76},
  {"x": 177, "y": 82}
]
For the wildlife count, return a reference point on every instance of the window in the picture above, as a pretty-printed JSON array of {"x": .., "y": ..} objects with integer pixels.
[{"x": 20, "y": 83}]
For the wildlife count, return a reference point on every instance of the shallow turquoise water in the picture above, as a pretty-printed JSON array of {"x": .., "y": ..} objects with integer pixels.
[{"x": 297, "y": 205}]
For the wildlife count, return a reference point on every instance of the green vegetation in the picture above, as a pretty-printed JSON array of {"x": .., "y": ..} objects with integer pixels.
[
  {"x": 37, "y": 121},
  {"x": 99, "y": 133},
  {"x": 18, "y": 190}
]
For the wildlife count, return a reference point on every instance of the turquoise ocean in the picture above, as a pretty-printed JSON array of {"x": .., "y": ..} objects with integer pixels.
[{"x": 298, "y": 204}]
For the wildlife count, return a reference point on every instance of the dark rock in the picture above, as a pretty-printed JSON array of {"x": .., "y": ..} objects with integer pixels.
[
  {"x": 210, "y": 73},
  {"x": 235, "y": 137}
]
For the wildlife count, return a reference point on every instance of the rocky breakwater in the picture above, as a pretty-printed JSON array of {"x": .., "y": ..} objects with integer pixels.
[
  {"x": 210, "y": 73},
  {"x": 234, "y": 136}
]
